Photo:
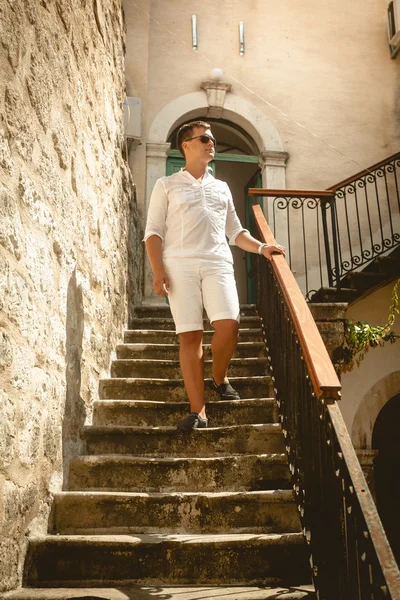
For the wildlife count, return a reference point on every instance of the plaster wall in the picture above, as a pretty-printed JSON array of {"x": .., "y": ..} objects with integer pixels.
[
  {"x": 368, "y": 387},
  {"x": 321, "y": 72},
  {"x": 67, "y": 222}
]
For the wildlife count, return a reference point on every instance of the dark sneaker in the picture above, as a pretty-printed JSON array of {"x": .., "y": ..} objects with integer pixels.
[
  {"x": 225, "y": 391},
  {"x": 192, "y": 421}
]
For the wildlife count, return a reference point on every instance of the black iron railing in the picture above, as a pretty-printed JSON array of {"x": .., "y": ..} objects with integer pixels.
[
  {"x": 350, "y": 556},
  {"x": 333, "y": 232},
  {"x": 367, "y": 216}
]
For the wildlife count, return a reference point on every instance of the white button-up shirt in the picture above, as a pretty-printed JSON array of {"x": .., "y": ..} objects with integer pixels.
[{"x": 193, "y": 218}]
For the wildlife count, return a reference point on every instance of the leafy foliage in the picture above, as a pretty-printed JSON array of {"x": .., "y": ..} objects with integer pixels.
[{"x": 360, "y": 337}]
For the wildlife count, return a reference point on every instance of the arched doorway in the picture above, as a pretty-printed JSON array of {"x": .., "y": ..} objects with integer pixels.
[
  {"x": 236, "y": 162},
  {"x": 386, "y": 440},
  {"x": 236, "y": 117}
]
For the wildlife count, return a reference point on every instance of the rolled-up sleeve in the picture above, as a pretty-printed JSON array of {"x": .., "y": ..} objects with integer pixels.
[
  {"x": 233, "y": 225},
  {"x": 157, "y": 213}
]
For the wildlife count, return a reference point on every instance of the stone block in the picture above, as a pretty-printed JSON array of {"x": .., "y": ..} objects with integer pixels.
[
  {"x": 18, "y": 500},
  {"x": 65, "y": 13},
  {"x": 328, "y": 311},
  {"x": 19, "y": 116},
  {"x": 40, "y": 89},
  {"x": 330, "y": 318},
  {"x": 11, "y": 36},
  {"x": 52, "y": 440},
  {"x": 7, "y": 428},
  {"x": 11, "y": 232},
  {"x": 6, "y": 351},
  {"x": 29, "y": 433},
  {"x": 78, "y": 177},
  {"x": 99, "y": 16},
  {"x": 2, "y": 496},
  {"x": 33, "y": 199},
  {"x": 6, "y": 161},
  {"x": 30, "y": 7},
  {"x": 19, "y": 302},
  {"x": 62, "y": 148},
  {"x": 10, "y": 568}
]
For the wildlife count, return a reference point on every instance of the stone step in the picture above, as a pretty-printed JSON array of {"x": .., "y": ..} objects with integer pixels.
[
  {"x": 161, "y": 336},
  {"x": 171, "y": 351},
  {"x": 167, "y": 441},
  {"x": 164, "y": 310},
  {"x": 170, "y": 369},
  {"x": 167, "y": 323},
  {"x": 173, "y": 389},
  {"x": 167, "y": 559},
  {"x": 151, "y": 413},
  {"x": 144, "y": 474},
  {"x": 160, "y": 592},
  {"x": 124, "y": 513}
]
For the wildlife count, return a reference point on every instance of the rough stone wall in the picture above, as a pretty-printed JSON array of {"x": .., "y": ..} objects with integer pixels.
[{"x": 66, "y": 221}]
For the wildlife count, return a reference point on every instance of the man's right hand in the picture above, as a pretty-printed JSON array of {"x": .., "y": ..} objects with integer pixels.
[{"x": 161, "y": 284}]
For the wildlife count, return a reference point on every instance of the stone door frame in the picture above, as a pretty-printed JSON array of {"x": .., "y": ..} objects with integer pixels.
[{"x": 272, "y": 158}]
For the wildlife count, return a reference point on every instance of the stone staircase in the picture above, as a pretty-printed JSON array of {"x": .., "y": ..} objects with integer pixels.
[
  {"x": 359, "y": 284},
  {"x": 149, "y": 509}
]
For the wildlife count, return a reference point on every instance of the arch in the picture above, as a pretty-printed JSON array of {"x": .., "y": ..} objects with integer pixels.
[
  {"x": 235, "y": 109},
  {"x": 369, "y": 408},
  {"x": 385, "y": 434},
  {"x": 386, "y": 443}
]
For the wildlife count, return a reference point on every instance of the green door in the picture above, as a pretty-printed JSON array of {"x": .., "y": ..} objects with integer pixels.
[
  {"x": 176, "y": 163},
  {"x": 251, "y": 259}
]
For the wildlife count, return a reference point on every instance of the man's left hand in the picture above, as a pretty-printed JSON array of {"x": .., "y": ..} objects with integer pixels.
[{"x": 267, "y": 251}]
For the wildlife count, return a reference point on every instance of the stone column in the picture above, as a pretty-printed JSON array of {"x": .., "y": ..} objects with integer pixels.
[
  {"x": 330, "y": 319},
  {"x": 157, "y": 153},
  {"x": 273, "y": 170}
]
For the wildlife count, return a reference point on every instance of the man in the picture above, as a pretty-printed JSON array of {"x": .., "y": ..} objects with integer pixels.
[{"x": 190, "y": 215}]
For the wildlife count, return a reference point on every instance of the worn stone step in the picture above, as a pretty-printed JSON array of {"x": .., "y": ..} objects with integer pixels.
[
  {"x": 160, "y": 336},
  {"x": 167, "y": 441},
  {"x": 167, "y": 323},
  {"x": 167, "y": 559},
  {"x": 160, "y": 592},
  {"x": 164, "y": 310},
  {"x": 149, "y": 367},
  {"x": 155, "y": 414},
  {"x": 171, "y": 351},
  {"x": 272, "y": 511},
  {"x": 146, "y": 474},
  {"x": 173, "y": 389}
]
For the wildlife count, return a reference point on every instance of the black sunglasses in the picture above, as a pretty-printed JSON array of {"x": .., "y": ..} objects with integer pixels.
[{"x": 203, "y": 138}]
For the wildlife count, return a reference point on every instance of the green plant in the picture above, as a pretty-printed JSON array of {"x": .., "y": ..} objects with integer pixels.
[{"x": 360, "y": 337}]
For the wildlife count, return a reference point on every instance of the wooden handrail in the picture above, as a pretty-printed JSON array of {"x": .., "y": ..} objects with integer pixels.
[
  {"x": 381, "y": 163},
  {"x": 323, "y": 375},
  {"x": 326, "y": 385},
  {"x": 291, "y": 193}
]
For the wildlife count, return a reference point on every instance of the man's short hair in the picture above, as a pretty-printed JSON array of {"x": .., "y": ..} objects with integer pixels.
[{"x": 185, "y": 132}]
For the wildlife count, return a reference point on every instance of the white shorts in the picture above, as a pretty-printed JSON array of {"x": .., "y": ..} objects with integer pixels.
[{"x": 195, "y": 283}]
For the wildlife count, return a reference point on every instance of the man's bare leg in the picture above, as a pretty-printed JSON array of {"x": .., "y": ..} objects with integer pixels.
[
  {"x": 223, "y": 346},
  {"x": 192, "y": 367}
]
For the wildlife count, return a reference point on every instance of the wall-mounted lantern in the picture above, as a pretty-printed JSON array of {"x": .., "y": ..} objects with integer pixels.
[
  {"x": 241, "y": 38},
  {"x": 195, "y": 41}
]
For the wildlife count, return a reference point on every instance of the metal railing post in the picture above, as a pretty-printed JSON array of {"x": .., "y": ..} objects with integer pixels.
[
  {"x": 335, "y": 242},
  {"x": 326, "y": 240}
]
